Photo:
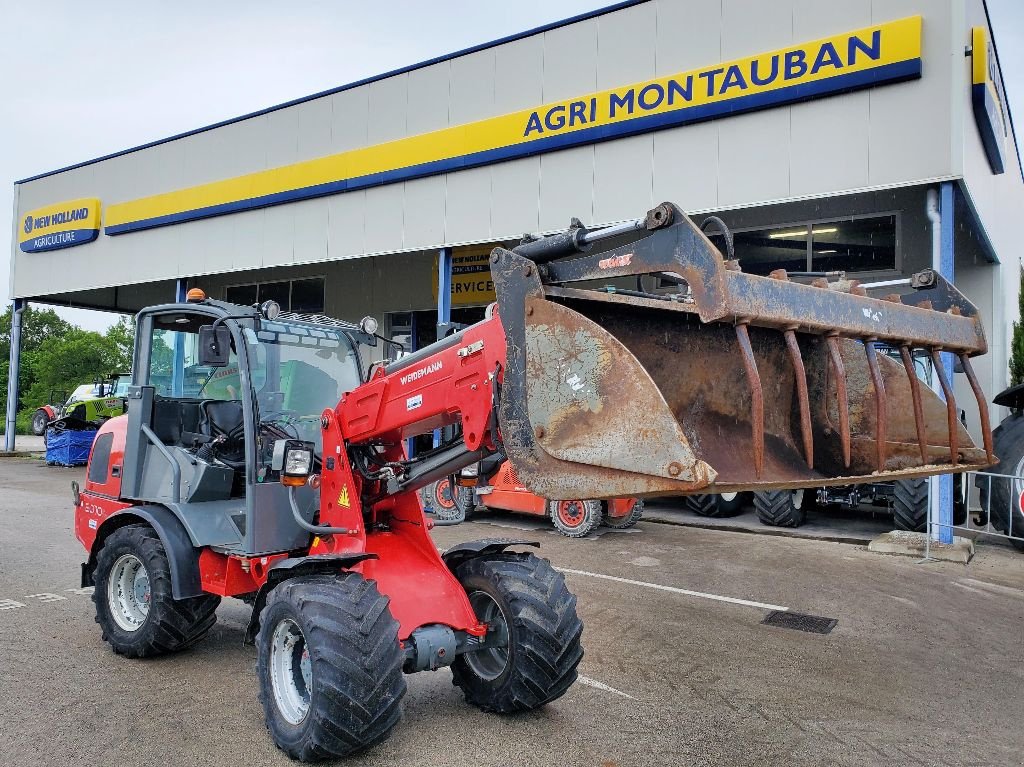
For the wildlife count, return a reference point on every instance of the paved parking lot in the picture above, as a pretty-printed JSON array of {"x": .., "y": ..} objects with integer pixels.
[{"x": 925, "y": 665}]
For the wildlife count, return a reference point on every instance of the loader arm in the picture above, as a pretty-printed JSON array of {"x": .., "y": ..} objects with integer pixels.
[{"x": 733, "y": 382}]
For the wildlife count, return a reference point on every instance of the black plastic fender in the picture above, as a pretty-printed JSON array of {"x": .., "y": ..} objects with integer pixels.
[
  {"x": 463, "y": 552},
  {"x": 291, "y": 568},
  {"x": 1013, "y": 397},
  {"x": 182, "y": 556}
]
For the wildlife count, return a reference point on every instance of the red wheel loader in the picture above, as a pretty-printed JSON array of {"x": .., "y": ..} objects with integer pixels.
[{"x": 291, "y": 488}]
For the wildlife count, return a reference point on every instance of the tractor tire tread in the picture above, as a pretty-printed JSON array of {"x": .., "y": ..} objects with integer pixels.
[
  {"x": 776, "y": 509},
  {"x": 910, "y": 504}
]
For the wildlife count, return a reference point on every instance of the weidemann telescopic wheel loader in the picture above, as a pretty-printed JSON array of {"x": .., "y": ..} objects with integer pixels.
[{"x": 273, "y": 468}]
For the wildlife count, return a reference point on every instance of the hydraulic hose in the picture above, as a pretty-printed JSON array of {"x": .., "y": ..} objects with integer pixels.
[{"x": 315, "y": 529}]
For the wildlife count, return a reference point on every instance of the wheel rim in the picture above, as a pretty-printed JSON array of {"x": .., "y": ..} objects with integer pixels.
[
  {"x": 443, "y": 495},
  {"x": 728, "y": 497},
  {"x": 128, "y": 592},
  {"x": 571, "y": 513},
  {"x": 490, "y": 663},
  {"x": 291, "y": 672},
  {"x": 798, "y": 499},
  {"x": 1018, "y": 488},
  {"x": 40, "y": 422}
]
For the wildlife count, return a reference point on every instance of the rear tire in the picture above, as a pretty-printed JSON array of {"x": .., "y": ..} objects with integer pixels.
[
  {"x": 529, "y": 598},
  {"x": 329, "y": 665},
  {"x": 1005, "y": 503},
  {"x": 135, "y": 608},
  {"x": 720, "y": 506},
  {"x": 627, "y": 521},
  {"x": 781, "y": 508},
  {"x": 576, "y": 519},
  {"x": 910, "y": 504},
  {"x": 39, "y": 421},
  {"x": 443, "y": 503}
]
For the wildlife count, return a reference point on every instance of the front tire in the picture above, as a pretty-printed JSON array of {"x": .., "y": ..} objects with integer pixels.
[
  {"x": 39, "y": 421},
  {"x": 1004, "y": 507},
  {"x": 781, "y": 508},
  {"x": 910, "y": 504},
  {"x": 525, "y": 599},
  {"x": 135, "y": 607},
  {"x": 329, "y": 665},
  {"x": 720, "y": 506},
  {"x": 576, "y": 519}
]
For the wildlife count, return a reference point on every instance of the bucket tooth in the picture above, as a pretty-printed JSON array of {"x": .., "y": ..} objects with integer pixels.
[
  {"x": 915, "y": 393},
  {"x": 951, "y": 420},
  {"x": 881, "y": 406},
  {"x": 801, "y": 393},
  {"x": 979, "y": 395},
  {"x": 843, "y": 404},
  {"x": 756, "y": 396}
]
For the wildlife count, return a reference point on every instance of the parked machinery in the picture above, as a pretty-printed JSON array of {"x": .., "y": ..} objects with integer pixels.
[{"x": 292, "y": 489}]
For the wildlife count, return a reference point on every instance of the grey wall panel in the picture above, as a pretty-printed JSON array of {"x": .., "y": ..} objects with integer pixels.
[
  {"x": 813, "y": 19},
  {"x": 570, "y": 61},
  {"x": 472, "y": 87},
  {"x": 121, "y": 179},
  {"x": 515, "y": 189},
  {"x": 519, "y": 74},
  {"x": 200, "y": 163},
  {"x": 384, "y": 206},
  {"x": 349, "y": 119},
  {"x": 310, "y": 224},
  {"x": 468, "y": 206},
  {"x": 754, "y": 26},
  {"x": 388, "y": 107},
  {"x": 346, "y": 224},
  {"x": 623, "y": 178},
  {"x": 282, "y": 137},
  {"x": 754, "y": 157},
  {"x": 163, "y": 168},
  {"x": 278, "y": 235},
  {"x": 248, "y": 241},
  {"x": 626, "y": 46},
  {"x": 428, "y": 99},
  {"x": 314, "y": 129},
  {"x": 829, "y": 140},
  {"x": 688, "y": 35},
  {"x": 204, "y": 246},
  {"x": 686, "y": 167},
  {"x": 566, "y": 187},
  {"x": 424, "y": 210}
]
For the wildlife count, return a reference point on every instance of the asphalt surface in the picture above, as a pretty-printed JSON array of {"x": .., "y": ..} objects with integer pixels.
[{"x": 923, "y": 668}]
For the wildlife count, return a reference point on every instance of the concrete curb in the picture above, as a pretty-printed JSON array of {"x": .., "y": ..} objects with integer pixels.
[
  {"x": 907, "y": 544},
  {"x": 781, "y": 532}
]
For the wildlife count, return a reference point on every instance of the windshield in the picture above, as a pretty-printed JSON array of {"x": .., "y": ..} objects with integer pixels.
[{"x": 298, "y": 371}]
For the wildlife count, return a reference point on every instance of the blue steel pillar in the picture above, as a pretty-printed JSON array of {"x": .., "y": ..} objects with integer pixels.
[
  {"x": 944, "y": 533},
  {"x": 13, "y": 369},
  {"x": 444, "y": 304},
  {"x": 178, "y": 371}
]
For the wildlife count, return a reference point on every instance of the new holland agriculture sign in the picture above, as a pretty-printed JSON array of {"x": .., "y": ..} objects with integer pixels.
[
  {"x": 62, "y": 225},
  {"x": 866, "y": 57},
  {"x": 987, "y": 98}
]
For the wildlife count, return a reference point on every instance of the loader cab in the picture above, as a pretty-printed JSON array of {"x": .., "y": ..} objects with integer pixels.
[{"x": 202, "y": 427}]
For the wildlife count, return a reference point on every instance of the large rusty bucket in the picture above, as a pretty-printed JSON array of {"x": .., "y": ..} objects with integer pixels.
[{"x": 735, "y": 382}]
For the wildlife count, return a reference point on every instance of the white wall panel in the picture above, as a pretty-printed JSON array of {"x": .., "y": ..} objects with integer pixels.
[
  {"x": 349, "y": 119},
  {"x": 623, "y": 178},
  {"x": 427, "y": 99},
  {"x": 310, "y": 224},
  {"x": 384, "y": 213},
  {"x": 753, "y": 157},
  {"x": 515, "y": 189},
  {"x": 813, "y": 19},
  {"x": 278, "y": 235},
  {"x": 248, "y": 240},
  {"x": 519, "y": 74},
  {"x": 686, "y": 166},
  {"x": 424, "y": 212},
  {"x": 388, "y": 105},
  {"x": 626, "y": 46},
  {"x": 754, "y": 26},
  {"x": 468, "y": 205},
  {"x": 570, "y": 61},
  {"x": 829, "y": 139},
  {"x": 160, "y": 169},
  {"x": 566, "y": 187},
  {"x": 346, "y": 224},
  {"x": 282, "y": 137},
  {"x": 472, "y": 87},
  {"x": 688, "y": 35},
  {"x": 314, "y": 129}
]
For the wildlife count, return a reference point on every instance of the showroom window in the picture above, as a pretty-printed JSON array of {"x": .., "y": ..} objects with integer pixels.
[
  {"x": 852, "y": 245},
  {"x": 305, "y": 295}
]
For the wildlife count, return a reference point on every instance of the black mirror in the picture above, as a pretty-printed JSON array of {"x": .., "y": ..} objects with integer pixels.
[{"x": 214, "y": 348}]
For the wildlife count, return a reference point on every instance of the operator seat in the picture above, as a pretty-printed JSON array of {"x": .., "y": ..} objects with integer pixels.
[{"x": 223, "y": 418}]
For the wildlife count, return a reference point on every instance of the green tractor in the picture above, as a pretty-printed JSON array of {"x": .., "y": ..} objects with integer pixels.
[{"x": 89, "y": 405}]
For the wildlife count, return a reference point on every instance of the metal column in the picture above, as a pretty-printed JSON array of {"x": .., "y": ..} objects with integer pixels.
[
  {"x": 13, "y": 369},
  {"x": 444, "y": 304},
  {"x": 178, "y": 371},
  {"x": 943, "y": 508}
]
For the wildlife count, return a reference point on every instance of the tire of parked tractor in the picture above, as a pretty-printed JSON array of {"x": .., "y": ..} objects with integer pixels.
[
  {"x": 576, "y": 519},
  {"x": 330, "y": 666},
  {"x": 782, "y": 508},
  {"x": 1005, "y": 505},
  {"x": 910, "y": 504},
  {"x": 446, "y": 505},
  {"x": 135, "y": 608},
  {"x": 627, "y": 521},
  {"x": 707, "y": 505},
  {"x": 527, "y": 601},
  {"x": 39, "y": 421}
]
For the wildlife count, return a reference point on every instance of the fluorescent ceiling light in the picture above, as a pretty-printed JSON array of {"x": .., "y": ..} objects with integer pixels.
[
  {"x": 821, "y": 252},
  {"x": 803, "y": 232}
]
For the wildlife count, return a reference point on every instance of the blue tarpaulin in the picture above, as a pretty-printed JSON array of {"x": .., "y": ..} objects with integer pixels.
[{"x": 68, "y": 448}]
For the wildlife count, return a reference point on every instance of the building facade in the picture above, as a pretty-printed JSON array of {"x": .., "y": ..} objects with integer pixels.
[{"x": 870, "y": 137}]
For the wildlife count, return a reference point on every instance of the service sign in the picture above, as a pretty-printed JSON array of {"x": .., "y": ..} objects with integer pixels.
[
  {"x": 988, "y": 98},
  {"x": 62, "y": 225},
  {"x": 472, "y": 284}
]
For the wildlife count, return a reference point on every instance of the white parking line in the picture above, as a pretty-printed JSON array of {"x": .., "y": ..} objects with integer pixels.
[
  {"x": 674, "y": 590},
  {"x": 601, "y": 686}
]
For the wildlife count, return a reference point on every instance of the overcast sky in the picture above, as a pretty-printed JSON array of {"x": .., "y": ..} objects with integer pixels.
[{"x": 82, "y": 80}]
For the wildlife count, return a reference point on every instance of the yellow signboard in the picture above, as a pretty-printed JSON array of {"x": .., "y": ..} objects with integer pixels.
[
  {"x": 472, "y": 284},
  {"x": 883, "y": 53}
]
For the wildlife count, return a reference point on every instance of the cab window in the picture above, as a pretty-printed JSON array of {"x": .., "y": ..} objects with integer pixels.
[{"x": 197, "y": 381}]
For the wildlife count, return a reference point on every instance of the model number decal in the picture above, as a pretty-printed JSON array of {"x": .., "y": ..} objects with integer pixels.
[
  {"x": 615, "y": 262},
  {"x": 414, "y": 402}
]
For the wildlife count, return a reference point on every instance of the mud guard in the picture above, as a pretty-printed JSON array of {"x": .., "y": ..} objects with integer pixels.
[
  {"x": 463, "y": 552},
  {"x": 318, "y": 564},
  {"x": 182, "y": 556}
]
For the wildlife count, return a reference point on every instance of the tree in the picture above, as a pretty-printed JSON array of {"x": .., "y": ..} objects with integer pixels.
[{"x": 1017, "y": 344}]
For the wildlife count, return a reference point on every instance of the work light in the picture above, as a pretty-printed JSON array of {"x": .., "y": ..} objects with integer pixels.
[{"x": 294, "y": 459}]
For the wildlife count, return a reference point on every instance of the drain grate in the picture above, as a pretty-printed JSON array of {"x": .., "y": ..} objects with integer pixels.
[{"x": 812, "y": 624}]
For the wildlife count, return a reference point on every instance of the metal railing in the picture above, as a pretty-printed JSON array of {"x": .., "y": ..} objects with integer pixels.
[{"x": 1008, "y": 521}]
